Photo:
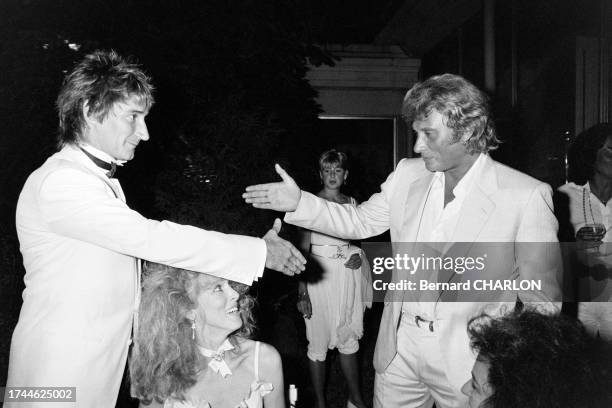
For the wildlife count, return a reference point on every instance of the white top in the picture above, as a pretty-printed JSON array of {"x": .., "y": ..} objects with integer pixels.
[{"x": 585, "y": 208}]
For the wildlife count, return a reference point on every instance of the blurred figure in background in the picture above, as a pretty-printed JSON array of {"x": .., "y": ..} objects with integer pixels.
[
  {"x": 332, "y": 303},
  {"x": 585, "y": 215}
]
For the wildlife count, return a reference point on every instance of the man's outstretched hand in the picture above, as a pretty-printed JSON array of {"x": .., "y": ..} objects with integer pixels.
[
  {"x": 280, "y": 196},
  {"x": 281, "y": 255}
]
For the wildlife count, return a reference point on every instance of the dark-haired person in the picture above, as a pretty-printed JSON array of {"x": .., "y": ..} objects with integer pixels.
[
  {"x": 528, "y": 359},
  {"x": 81, "y": 243},
  {"x": 455, "y": 193},
  {"x": 192, "y": 347},
  {"x": 587, "y": 215}
]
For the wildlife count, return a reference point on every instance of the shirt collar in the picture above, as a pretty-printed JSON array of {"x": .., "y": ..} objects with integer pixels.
[
  {"x": 100, "y": 154},
  {"x": 468, "y": 178}
]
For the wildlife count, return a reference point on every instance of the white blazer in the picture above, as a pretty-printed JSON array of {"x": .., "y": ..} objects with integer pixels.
[
  {"x": 81, "y": 244},
  {"x": 503, "y": 205}
]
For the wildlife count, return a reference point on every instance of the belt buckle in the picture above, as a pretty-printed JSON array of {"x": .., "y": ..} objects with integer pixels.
[
  {"x": 418, "y": 319},
  {"x": 339, "y": 254}
]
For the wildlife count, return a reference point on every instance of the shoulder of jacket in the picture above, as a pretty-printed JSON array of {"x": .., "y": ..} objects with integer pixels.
[
  {"x": 512, "y": 178},
  {"x": 411, "y": 169}
]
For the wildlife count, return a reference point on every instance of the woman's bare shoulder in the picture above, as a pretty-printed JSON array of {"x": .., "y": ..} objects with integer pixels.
[{"x": 269, "y": 358}]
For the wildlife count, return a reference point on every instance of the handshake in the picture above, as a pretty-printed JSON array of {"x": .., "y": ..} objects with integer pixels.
[{"x": 280, "y": 196}]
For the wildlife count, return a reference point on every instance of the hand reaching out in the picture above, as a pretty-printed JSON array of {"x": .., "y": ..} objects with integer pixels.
[
  {"x": 281, "y": 255},
  {"x": 280, "y": 196}
]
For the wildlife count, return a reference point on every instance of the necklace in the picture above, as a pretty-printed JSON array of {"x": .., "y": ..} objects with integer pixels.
[
  {"x": 584, "y": 199},
  {"x": 594, "y": 224}
]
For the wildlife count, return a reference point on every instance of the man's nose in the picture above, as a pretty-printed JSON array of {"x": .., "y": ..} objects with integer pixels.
[
  {"x": 419, "y": 146},
  {"x": 143, "y": 132}
]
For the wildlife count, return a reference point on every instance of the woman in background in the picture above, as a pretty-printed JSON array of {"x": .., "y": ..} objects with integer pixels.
[
  {"x": 191, "y": 349},
  {"x": 584, "y": 210},
  {"x": 332, "y": 303}
]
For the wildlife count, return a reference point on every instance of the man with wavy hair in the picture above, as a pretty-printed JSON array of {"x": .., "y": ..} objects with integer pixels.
[
  {"x": 456, "y": 193},
  {"x": 81, "y": 243}
]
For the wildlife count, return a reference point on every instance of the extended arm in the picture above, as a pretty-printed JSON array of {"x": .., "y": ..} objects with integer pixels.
[
  {"x": 314, "y": 213},
  {"x": 75, "y": 204}
]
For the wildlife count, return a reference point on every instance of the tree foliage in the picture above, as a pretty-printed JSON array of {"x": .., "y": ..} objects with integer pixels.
[{"x": 230, "y": 84}]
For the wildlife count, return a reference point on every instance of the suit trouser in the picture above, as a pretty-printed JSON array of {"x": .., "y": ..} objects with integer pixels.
[{"x": 417, "y": 374}]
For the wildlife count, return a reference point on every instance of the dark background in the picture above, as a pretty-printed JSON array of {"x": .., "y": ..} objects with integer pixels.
[{"x": 232, "y": 99}]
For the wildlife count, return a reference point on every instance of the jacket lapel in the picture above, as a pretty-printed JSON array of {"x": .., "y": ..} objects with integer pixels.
[
  {"x": 475, "y": 212},
  {"x": 413, "y": 214},
  {"x": 477, "y": 206}
]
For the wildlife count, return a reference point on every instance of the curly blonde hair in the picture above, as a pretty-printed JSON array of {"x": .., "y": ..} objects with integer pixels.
[
  {"x": 165, "y": 360},
  {"x": 465, "y": 109}
]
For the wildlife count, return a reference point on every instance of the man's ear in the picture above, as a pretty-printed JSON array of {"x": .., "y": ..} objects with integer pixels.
[
  {"x": 465, "y": 137},
  {"x": 86, "y": 115}
]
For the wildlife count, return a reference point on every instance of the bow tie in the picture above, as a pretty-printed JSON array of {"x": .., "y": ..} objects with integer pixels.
[
  {"x": 110, "y": 168},
  {"x": 217, "y": 362}
]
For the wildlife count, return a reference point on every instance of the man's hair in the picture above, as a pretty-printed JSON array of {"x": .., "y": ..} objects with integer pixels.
[
  {"x": 582, "y": 153},
  {"x": 165, "y": 359},
  {"x": 100, "y": 80},
  {"x": 331, "y": 157},
  {"x": 464, "y": 107},
  {"x": 538, "y": 361}
]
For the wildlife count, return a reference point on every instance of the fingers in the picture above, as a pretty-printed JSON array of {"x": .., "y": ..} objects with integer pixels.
[
  {"x": 259, "y": 188},
  {"x": 277, "y": 225},
  {"x": 256, "y": 197},
  {"x": 294, "y": 266},
  {"x": 300, "y": 261},
  {"x": 266, "y": 206},
  {"x": 282, "y": 173},
  {"x": 305, "y": 308}
]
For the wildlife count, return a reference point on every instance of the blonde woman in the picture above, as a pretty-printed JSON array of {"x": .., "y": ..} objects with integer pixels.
[{"x": 192, "y": 348}]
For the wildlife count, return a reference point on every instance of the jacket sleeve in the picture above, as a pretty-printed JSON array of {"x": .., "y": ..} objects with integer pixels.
[
  {"x": 76, "y": 204},
  {"x": 370, "y": 218},
  {"x": 538, "y": 251}
]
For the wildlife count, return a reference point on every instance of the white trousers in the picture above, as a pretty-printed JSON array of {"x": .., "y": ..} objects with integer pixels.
[{"x": 416, "y": 376}]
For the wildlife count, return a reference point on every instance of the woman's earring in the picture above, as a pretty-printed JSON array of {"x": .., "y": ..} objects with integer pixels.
[{"x": 193, "y": 327}]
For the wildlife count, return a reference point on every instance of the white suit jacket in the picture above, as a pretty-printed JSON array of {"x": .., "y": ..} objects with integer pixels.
[
  {"x": 81, "y": 244},
  {"x": 503, "y": 205}
]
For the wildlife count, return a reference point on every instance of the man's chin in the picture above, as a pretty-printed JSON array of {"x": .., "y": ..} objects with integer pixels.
[
  {"x": 127, "y": 156},
  {"x": 429, "y": 165}
]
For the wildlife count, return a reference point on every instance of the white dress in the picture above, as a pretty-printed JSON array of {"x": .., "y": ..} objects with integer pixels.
[
  {"x": 338, "y": 298},
  {"x": 257, "y": 391}
]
